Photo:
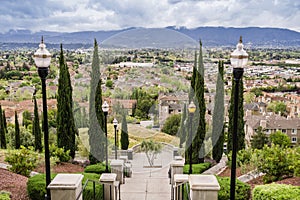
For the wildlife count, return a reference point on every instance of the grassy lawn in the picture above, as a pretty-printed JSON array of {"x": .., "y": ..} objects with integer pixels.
[{"x": 136, "y": 133}]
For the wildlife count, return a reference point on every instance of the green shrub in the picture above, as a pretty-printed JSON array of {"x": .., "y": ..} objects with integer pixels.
[
  {"x": 275, "y": 162},
  {"x": 22, "y": 161},
  {"x": 63, "y": 156},
  {"x": 197, "y": 168},
  {"x": 4, "y": 195},
  {"x": 242, "y": 190},
  {"x": 88, "y": 191},
  {"x": 276, "y": 192},
  {"x": 36, "y": 186},
  {"x": 96, "y": 168}
]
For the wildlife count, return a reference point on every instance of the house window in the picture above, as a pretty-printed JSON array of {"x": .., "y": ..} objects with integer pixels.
[
  {"x": 284, "y": 130},
  {"x": 294, "y": 139},
  {"x": 294, "y": 131}
]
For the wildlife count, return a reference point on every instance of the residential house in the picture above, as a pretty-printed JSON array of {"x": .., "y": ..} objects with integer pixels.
[
  {"x": 170, "y": 104},
  {"x": 271, "y": 124}
]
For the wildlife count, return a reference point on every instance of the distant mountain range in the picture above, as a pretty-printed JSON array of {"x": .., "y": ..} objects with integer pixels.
[{"x": 169, "y": 37}]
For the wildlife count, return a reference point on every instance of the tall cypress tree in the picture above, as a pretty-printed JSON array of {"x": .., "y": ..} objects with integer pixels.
[
  {"x": 66, "y": 130},
  {"x": 198, "y": 141},
  {"x": 218, "y": 116},
  {"x": 36, "y": 129},
  {"x": 124, "y": 134},
  {"x": 182, "y": 129},
  {"x": 4, "y": 121},
  {"x": 17, "y": 132},
  {"x": 96, "y": 115},
  {"x": 2, "y": 130},
  {"x": 241, "y": 122}
]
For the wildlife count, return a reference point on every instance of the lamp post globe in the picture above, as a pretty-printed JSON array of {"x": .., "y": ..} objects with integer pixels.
[
  {"x": 115, "y": 122},
  {"x": 191, "y": 109},
  {"x": 105, "y": 109},
  {"x": 238, "y": 59},
  {"x": 42, "y": 59}
]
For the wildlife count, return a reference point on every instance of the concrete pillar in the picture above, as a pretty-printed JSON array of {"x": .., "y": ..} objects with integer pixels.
[
  {"x": 179, "y": 181},
  {"x": 108, "y": 181},
  {"x": 117, "y": 168},
  {"x": 124, "y": 158},
  {"x": 130, "y": 154},
  {"x": 176, "y": 168},
  {"x": 204, "y": 187},
  {"x": 66, "y": 186}
]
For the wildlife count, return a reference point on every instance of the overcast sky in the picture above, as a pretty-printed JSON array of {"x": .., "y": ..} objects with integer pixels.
[{"x": 85, "y": 15}]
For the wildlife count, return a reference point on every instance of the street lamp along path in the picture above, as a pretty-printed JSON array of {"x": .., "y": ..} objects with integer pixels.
[
  {"x": 42, "y": 59},
  {"x": 238, "y": 59}
]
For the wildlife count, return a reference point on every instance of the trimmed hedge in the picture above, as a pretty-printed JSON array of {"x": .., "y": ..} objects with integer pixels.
[
  {"x": 276, "y": 192},
  {"x": 36, "y": 186},
  {"x": 197, "y": 168},
  {"x": 96, "y": 168},
  {"x": 4, "y": 195},
  {"x": 242, "y": 189}
]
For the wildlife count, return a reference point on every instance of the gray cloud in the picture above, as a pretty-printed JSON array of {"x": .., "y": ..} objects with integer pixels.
[{"x": 78, "y": 15}]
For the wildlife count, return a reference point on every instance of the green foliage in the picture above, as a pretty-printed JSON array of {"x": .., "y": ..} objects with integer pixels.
[
  {"x": 96, "y": 116},
  {"x": 196, "y": 168},
  {"x": 276, "y": 192},
  {"x": 281, "y": 139},
  {"x": 109, "y": 84},
  {"x": 66, "y": 129},
  {"x": 172, "y": 124},
  {"x": 199, "y": 118},
  {"x": 36, "y": 129},
  {"x": 124, "y": 134},
  {"x": 4, "y": 195},
  {"x": 59, "y": 153},
  {"x": 259, "y": 139},
  {"x": 151, "y": 149},
  {"x": 88, "y": 191},
  {"x": 36, "y": 186},
  {"x": 275, "y": 162},
  {"x": 17, "y": 132},
  {"x": 242, "y": 191},
  {"x": 97, "y": 168},
  {"x": 145, "y": 101},
  {"x": 22, "y": 161},
  {"x": 218, "y": 116},
  {"x": 277, "y": 107},
  {"x": 26, "y": 118},
  {"x": 2, "y": 130}
]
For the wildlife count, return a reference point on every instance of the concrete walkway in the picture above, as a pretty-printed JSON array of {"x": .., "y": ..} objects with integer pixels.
[{"x": 148, "y": 183}]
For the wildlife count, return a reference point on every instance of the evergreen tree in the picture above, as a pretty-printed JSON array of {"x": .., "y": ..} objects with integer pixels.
[
  {"x": 199, "y": 118},
  {"x": 124, "y": 134},
  {"x": 259, "y": 140},
  {"x": 182, "y": 128},
  {"x": 17, "y": 132},
  {"x": 241, "y": 122},
  {"x": 4, "y": 121},
  {"x": 2, "y": 130},
  {"x": 218, "y": 116},
  {"x": 36, "y": 129},
  {"x": 66, "y": 130},
  {"x": 96, "y": 115}
]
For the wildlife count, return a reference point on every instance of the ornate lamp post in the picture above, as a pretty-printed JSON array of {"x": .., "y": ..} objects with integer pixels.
[
  {"x": 238, "y": 59},
  {"x": 115, "y": 122},
  {"x": 105, "y": 108},
  {"x": 42, "y": 59},
  {"x": 192, "y": 109}
]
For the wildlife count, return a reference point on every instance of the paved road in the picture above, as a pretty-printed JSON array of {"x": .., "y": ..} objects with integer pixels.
[{"x": 148, "y": 183}]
